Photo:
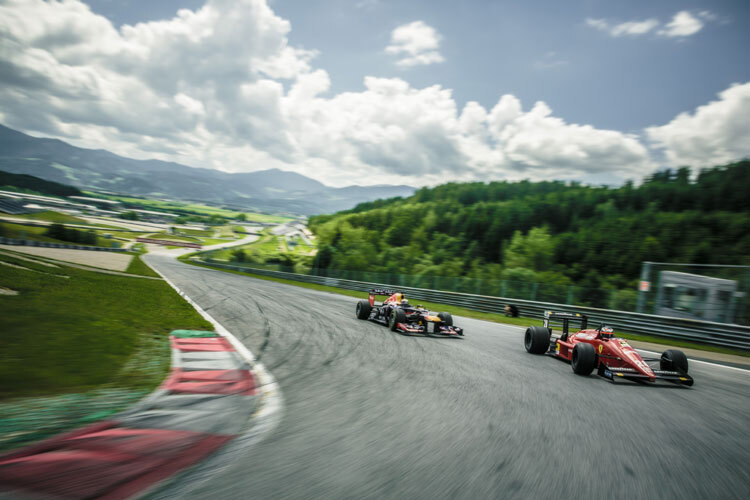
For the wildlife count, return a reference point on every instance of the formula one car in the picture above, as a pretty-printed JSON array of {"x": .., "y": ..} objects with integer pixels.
[
  {"x": 400, "y": 316},
  {"x": 599, "y": 349}
]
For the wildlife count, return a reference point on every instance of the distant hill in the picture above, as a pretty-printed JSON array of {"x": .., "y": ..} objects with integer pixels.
[
  {"x": 271, "y": 190},
  {"x": 31, "y": 183}
]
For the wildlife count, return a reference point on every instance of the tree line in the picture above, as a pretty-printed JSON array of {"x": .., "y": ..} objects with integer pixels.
[{"x": 554, "y": 232}]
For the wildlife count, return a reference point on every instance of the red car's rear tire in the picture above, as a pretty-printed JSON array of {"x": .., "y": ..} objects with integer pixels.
[
  {"x": 583, "y": 360},
  {"x": 536, "y": 340}
]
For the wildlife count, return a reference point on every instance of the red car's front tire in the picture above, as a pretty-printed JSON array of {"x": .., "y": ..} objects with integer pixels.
[{"x": 583, "y": 360}]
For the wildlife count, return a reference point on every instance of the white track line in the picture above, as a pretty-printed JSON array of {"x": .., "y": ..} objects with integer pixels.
[{"x": 271, "y": 402}]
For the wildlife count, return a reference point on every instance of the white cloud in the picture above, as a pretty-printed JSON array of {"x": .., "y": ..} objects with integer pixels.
[
  {"x": 416, "y": 43},
  {"x": 717, "y": 132},
  {"x": 418, "y": 136},
  {"x": 631, "y": 28},
  {"x": 222, "y": 88},
  {"x": 684, "y": 24}
]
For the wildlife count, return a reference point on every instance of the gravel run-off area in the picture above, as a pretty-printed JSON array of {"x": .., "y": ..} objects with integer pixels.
[{"x": 104, "y": 260}]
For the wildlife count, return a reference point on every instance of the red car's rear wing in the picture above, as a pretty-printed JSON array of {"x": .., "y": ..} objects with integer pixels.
[{"x": 564, "y": 318}]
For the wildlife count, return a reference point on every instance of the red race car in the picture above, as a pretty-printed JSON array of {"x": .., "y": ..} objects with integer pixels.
[
  {"x": 400, "y": 316},
  {"x": 599, "y": 349}
]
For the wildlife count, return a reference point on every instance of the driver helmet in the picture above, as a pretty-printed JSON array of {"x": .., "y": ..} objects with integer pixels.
[
  {"x": 404, "y": 302},
  {"x": 606, "y": 332}
]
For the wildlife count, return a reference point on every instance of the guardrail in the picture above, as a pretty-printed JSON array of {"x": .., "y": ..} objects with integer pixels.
[
  {"x": 169, "y": 242},
  {"x": 46, "y": 244},
  {"x": 705, "y": 332}
]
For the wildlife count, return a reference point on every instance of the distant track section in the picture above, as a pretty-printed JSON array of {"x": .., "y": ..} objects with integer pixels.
[{"x": 706, "y": 332}]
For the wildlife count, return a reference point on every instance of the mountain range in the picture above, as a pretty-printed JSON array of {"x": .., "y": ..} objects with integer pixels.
[{"x": 270, "y": 190}]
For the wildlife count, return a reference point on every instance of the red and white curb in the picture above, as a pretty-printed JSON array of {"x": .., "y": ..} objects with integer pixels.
[{"x": 217, "y": 397}]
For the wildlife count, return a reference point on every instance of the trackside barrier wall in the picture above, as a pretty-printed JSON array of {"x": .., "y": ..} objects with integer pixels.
[
  {"x": 706, "y": 332},
  {"x": 46, "y": 244}
]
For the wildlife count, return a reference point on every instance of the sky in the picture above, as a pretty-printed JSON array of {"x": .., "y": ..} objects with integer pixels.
[{"x": 416, "y": 92}]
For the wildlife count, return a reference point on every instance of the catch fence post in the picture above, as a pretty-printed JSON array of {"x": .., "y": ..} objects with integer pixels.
[{"x": 644, "y": 285}]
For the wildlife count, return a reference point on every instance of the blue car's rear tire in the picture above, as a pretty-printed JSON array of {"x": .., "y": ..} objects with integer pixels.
[{"x": 363, "y": 309}]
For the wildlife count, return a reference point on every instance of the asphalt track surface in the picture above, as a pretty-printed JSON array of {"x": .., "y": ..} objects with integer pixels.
[{"x": 373, "y": 414}]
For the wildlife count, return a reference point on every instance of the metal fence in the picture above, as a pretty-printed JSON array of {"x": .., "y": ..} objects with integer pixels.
[
  {"x": 706, "y": 332},
  {"x": 45, "y": 244}
]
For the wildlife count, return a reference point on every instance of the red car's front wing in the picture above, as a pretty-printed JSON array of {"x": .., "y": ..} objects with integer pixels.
[{"x": 614, "y": 374}]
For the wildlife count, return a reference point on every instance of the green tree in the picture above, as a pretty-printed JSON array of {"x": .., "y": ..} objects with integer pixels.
[
  {"x": 533, "y": 251},
  {"x": 238, "y": 255}
]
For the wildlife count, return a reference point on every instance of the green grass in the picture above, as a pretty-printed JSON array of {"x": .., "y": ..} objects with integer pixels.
[
  {"x": 138, "y": 267},
  {"x": 267, "y": 245},
  {"x": 213, "y": 241},
  {"x": 63, "y": 335},
  {"x": 470, "y": 313},
  {"x": 301, "y": 246},
  {"x": 36, "y": 233},
  {"x": 138, "y": 248},
  {"x": 50, "y": 216},
  {"x": 194, "y": 208},
  {"x": 268, "y": 219},
  {"x": 195, "y": 232},
  {"x": 224, "y": 232}
]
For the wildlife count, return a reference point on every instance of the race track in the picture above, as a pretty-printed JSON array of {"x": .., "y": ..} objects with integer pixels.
[{"x": 374, "y": 414}]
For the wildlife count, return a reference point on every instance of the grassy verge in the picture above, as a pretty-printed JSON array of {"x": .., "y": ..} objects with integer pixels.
[
  {"x": 267, "y": 246},
  {"x": 486, "y": 316},
  {"x": 73, "y": 334},
  {"x": 137, "y": 266},
  {"x": 79, "y": 346},
  {"x": 37, "y": 233},
  {"x": 51, "y": 216},
  {"x": 195, "y": 232},
  {"x": 214, "y": 241}
]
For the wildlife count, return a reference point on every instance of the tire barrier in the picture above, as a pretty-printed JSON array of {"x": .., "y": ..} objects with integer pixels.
[{"x": 704, "y": 332}]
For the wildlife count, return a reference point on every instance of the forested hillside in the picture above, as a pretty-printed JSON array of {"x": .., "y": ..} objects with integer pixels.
[
  {"x": 547, "y": 232},
  {"x": 36, "y": 185}
]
